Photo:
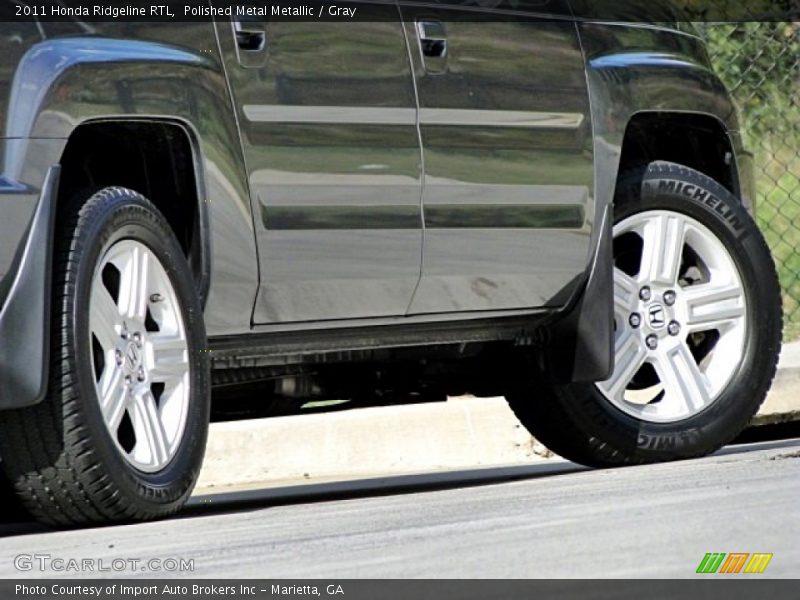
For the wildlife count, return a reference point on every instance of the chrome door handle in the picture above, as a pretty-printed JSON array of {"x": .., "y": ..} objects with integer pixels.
[
  {"x": 248, "y": 37},
  {"x": 432, "y": 39}
]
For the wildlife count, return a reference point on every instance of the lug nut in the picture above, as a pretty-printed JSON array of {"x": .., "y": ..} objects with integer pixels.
[
  {"x": 645, "y": 294},
  {"x": 669, "y": 298},
  {"x": 635, "y": 320},
  {"x": 652, "y": 342},
  {"x": 118, "y": 356},
  {"x": 128, "y": 380},
  {"x": 674, "y": 328},
  {"x": 156, "y": 298},
  {"x": 140, "y": 375},
  {"x": 137, "y": 339}
]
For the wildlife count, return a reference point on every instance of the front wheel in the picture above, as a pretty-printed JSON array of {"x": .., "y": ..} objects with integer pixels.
[
  {"x": 122, "y": 431},
  {"x": 697, "y": 319}
]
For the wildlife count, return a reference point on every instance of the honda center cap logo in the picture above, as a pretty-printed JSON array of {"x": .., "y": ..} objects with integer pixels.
[
  {"x": 131, "y": 357},
  {"x": 656, "y": 316}
]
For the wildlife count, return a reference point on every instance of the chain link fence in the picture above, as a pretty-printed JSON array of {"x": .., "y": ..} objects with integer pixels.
[{"x": 760, "y": 64}]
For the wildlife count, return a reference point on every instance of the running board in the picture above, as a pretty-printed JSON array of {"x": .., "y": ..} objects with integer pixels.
[{"x": 283, "y": 347}]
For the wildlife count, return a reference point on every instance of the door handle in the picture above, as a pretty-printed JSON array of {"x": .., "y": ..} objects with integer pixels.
[
  {"x": 248, "y": 37},
  {"x": 432, "y": 39}
]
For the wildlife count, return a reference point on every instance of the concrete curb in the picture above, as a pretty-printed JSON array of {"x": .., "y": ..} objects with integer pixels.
[
  {"x": 783, "y": 402},
  {"x": 366, "y": 443},
  {"x": 398, "y": 440}
]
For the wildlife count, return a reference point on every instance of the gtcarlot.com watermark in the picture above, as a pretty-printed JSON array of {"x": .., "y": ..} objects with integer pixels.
[{"x": 47, "y": 563}]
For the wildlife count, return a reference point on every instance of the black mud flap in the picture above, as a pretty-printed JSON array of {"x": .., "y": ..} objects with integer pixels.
[
  {"x": 581, "y": 347},
  {"x": 25, "y": 312}
]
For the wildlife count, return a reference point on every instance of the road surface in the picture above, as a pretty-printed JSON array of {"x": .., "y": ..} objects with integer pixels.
[{"x": 548, "y": 520}]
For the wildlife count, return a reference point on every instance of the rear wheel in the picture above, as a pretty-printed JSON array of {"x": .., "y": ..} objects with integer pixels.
[
  {"x": 121, "y": 434},
  {"x": 697, "y": 318}
]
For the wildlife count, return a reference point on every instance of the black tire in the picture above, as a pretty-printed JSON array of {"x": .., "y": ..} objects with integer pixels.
[
  {"x": 59, "y": 455},
  {"x": 577, "y": 422}
]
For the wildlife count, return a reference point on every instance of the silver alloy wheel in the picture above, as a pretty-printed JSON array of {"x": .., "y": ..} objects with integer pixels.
[
  {"x": 140, "y": 355},
  {"x": 679, "y": 315}
]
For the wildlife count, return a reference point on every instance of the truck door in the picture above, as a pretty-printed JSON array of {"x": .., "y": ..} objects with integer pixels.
[
  {"x": 507, "y": 140},
  {"x": 328, "y": 118}
]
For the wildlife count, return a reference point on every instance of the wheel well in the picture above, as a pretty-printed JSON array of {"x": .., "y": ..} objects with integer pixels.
[
  {"x": 697, "y": 141},
  {"x": 154, "y": 159}
]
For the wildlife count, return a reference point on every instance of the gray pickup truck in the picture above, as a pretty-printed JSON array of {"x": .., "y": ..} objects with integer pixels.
[{"x": 518, "y": 201}]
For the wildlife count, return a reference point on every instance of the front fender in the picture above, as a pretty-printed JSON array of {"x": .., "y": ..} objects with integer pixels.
[
  {"x": 60, "y": 83},
  {"x": 633, "y": 68},
  {"x": 63, "y": 83}
]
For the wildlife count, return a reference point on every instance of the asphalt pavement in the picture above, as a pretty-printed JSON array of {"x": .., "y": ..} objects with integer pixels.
[{"x": 546, "y": 520}]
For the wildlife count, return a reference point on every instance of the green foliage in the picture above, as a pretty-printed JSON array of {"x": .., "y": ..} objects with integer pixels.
[
  {"x": 760, "y": 64},
  {"x": 735, "y": 11}
]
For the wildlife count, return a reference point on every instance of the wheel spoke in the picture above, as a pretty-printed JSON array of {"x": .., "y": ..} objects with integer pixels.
[
  {"x": 664, "y": 237},
  {"x": 104, "y": 317},
  {"x": 168, "y": 357},
  {"x": 133, "y": 289},
  {"x": 149, "y": 429},
  {"x": 625, "y": 290},
  {"x": 114, "y": 398},
  {"x": 713, "y": 306},
  {"x": 685, "y": 386},
  {"x": 629, "y": 356}
]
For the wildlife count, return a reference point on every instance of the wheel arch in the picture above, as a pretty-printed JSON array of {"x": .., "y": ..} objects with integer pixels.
[
  {"x": 645, "y": 79},
  {"x": 696, "y": 140},
  {"x": 160, "y": 159}
]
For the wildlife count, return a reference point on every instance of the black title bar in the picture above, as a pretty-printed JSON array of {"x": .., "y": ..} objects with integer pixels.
[
  {"x": 381, "y": 589},
  {"x": 645, "y": 11}
]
